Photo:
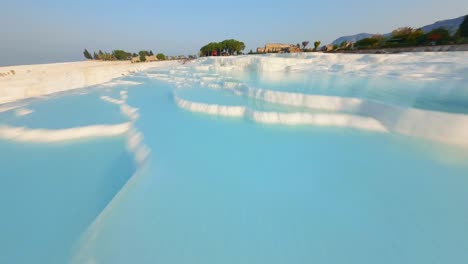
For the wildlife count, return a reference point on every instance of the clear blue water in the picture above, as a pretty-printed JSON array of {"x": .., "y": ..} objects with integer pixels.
[
  {"x": 230, "y": 190},
  {"x": 49, "y": 194},
  {"x": 210, "y": 96},
  {"x": 66, "y": 110}
]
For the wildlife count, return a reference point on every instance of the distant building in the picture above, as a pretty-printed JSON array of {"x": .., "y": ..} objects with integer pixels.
[
  {"x": 148, "y": 59},
  {"x": 328, "y": 47},
  {"x": 292, "y": 49},
  {"x": 278, "y": 48},
  {"x": 151, "y": 58}
]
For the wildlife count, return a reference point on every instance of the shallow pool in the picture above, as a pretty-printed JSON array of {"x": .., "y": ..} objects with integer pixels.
[{"x": 225, "y": 164}]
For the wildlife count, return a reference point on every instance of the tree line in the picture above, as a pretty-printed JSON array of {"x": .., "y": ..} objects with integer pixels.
[
  {"x": 401, "y": 37},
  {"x": 225, "y": 47},
  {"x": 120, "y": 55},
  {"x": 408, "y": 36}
]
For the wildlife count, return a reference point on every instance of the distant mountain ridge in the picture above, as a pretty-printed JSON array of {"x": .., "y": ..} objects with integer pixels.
[
  {"x": 450, "y": 24},
  {"x": 352, "y": 38}
]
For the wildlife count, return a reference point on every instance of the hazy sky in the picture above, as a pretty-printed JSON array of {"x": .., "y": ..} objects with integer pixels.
[{"x": 41, "y": 31}]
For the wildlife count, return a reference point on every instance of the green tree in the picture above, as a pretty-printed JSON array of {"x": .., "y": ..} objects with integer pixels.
[
  {"x": 405, "y": 36},
  {"x": 143, "y": 54},
  {"x": 100, "y": 55},
  {"x": 304, "y": 44},
  {"x": 208, "y": 49},
  {"x": 463, "y": 29},
  {"x": 204, "y": 50},
  {"x": 343, "y": 44},
  {"x": 106, "y": 56},
  {"x": 87, "y": 55},
  {"x": 316, "y": 44},
  {"x": 229, "y": 46},
  {"x": 95, "y": 56},
  {"x": 402, "y": 33},
  {"x": 121, "y": 55},
  {"x": 415, "y": 35},
  {"x": 161, "y": 56},
  {"x": 372, "y": 42},
  {"x": 237, "y": 47},
  {"x": 225, "y": 46},
  {"x": 439, "y": 36}
]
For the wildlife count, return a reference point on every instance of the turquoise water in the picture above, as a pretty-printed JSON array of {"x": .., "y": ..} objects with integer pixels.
[
  {"x": 219, "y": 189},
  {"x": 66, "y": 110},
  {"x": 230, "y": 191},
  {"x": 51, "y": 193}
]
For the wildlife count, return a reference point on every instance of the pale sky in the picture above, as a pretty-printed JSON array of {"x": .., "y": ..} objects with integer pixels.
[{"x": 44, "y": 31}]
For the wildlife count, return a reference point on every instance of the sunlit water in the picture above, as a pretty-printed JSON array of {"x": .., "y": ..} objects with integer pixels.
[{"x": 222, "y": 186}]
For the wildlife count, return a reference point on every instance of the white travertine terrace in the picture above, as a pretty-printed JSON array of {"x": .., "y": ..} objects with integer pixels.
[{"x": 44, "y": 79}]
